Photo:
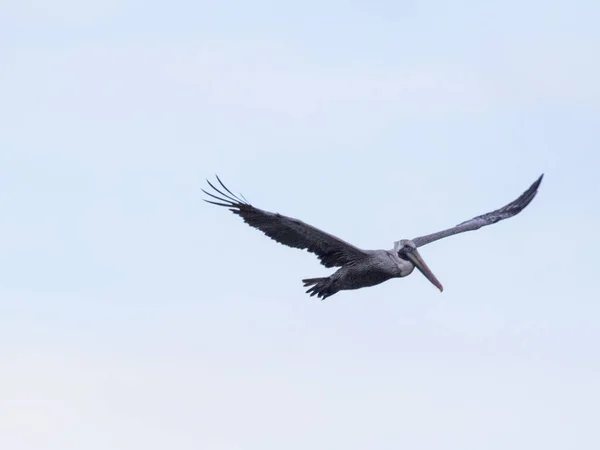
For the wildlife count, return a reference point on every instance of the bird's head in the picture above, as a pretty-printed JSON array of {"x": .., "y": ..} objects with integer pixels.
[{"x": 407, "y": 251}]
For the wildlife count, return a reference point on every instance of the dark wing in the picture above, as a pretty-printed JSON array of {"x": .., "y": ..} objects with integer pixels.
[
  {"x": 512, "y": 209},
  {"x": 331, "y": 250}
]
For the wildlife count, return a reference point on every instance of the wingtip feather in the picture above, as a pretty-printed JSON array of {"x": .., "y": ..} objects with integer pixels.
[
  {"x": 227, "y": 189},
  {"x": 216, "y": 203},
  {"x": 232, "y": 198}
]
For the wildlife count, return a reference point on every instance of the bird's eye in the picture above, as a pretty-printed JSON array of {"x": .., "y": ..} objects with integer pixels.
[{"x": 403, "y": 253}]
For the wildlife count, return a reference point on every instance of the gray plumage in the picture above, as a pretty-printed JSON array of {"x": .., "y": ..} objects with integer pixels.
[
  {"x": 358, "y": 268},
  {"x": 512, "y": 209}
]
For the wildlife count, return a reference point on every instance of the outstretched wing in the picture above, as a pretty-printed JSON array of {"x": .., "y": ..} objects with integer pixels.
[
  {"x": 512, "y": 209},
  {"x": 331, "y": 250}
]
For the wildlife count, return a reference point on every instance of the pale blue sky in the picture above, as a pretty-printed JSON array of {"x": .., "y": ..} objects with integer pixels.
[{"x": 134, "y": 315}]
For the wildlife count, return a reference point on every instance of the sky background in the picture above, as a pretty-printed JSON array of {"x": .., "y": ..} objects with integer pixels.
[{"x": 134, "y": 315}]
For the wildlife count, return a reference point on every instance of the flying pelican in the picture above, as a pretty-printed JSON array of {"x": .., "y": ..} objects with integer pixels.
[{"x": 357, "y": 268}]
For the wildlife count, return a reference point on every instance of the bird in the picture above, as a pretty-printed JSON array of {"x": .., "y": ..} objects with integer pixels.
[{"x": 358, "y": 268}]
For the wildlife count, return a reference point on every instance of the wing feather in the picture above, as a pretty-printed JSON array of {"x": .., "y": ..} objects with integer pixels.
[
  {"x": 331, "y": 251},
  {"x": 507, "y": 211}
]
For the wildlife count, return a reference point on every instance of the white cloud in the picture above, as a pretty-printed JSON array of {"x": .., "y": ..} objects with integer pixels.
[
  {"x": 231, "y": 79},
  {"x": 70, "y": 400},
  {"x": 250, "y": 78}
]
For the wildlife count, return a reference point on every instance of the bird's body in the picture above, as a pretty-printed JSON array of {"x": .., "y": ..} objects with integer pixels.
[
  {"x": 358, "y": 268},
  {"x": 375, "y": 268}
]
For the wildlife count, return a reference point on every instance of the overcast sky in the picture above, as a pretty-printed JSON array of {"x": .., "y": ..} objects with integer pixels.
[{"x": 136, "y": 316}]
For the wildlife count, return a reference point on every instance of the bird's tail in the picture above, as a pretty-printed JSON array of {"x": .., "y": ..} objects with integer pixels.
[{"x": 321, "y": 287}]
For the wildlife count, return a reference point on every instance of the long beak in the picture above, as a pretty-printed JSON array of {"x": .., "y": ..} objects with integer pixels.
[{"x": 420, "y": 264}]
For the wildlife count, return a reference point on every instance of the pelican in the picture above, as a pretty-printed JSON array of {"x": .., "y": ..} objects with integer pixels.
[{"x": 358, "y": 268}]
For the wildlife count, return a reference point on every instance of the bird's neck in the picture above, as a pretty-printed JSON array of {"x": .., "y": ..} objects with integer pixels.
[{"x": 405, "y": 267}]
